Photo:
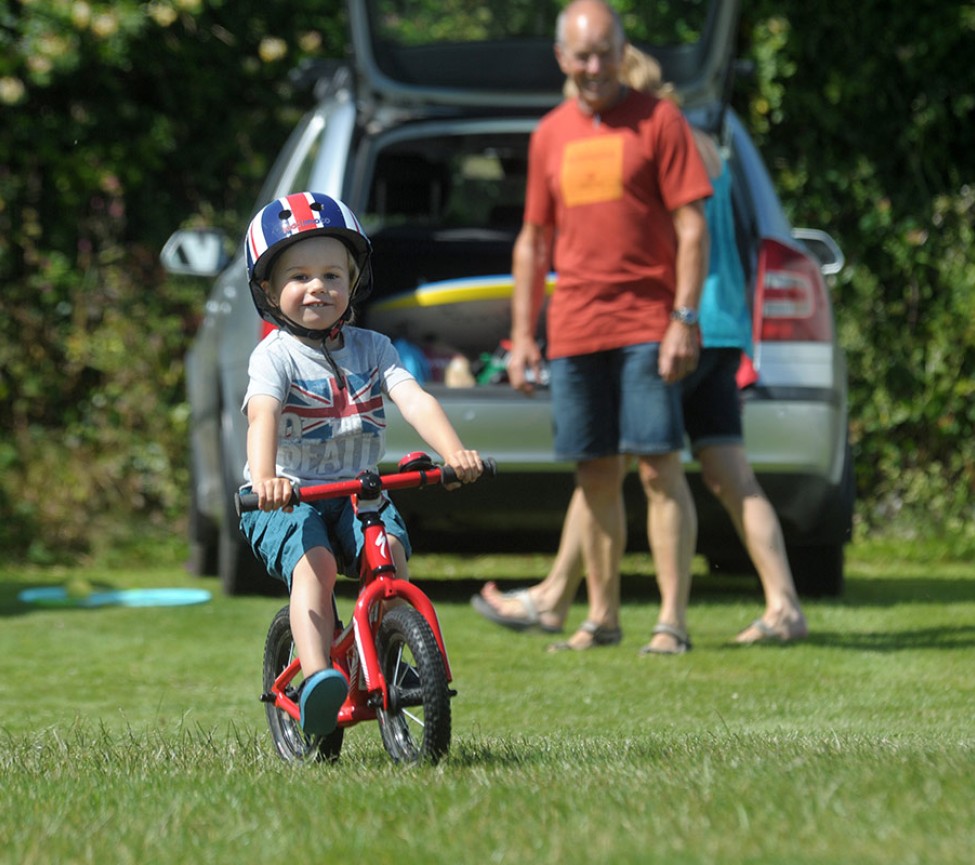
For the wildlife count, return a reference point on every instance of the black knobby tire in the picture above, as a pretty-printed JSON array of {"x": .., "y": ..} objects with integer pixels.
[
  {"x": 817, "y": 569},
  {"x": 416, "y": 726},
  {"x": 289, "y": 740},
  {"x": 204, "y": 540}
]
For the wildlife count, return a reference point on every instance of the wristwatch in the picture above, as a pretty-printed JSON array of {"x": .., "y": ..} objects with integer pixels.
[{"x": 685, "y": 315}]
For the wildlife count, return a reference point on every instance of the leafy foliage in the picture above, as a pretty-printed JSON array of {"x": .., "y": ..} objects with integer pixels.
[
  {"x": 119, "y": 119},
  {"x": 867, "y": 142}
]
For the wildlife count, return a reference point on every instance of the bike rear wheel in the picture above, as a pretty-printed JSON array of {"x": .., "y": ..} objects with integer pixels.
[
  {"x": 416, "y": 726},
  {"x": 291, "y": 743}
]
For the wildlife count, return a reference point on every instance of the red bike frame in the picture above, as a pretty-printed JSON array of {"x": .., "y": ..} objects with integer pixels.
[{"x": 353, "y": 650}]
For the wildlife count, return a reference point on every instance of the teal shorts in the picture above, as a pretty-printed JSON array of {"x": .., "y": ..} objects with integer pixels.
[{"x": 280, "y": 539}]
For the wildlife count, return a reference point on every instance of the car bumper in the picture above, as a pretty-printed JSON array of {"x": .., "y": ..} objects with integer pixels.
[{"x": 796, "y": 445}]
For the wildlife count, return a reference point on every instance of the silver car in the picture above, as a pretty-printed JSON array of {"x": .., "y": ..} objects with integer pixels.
[{"x": 427, "y": 142}]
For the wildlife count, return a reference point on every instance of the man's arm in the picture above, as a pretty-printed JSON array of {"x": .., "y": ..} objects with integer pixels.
[
  {"x": 681, "y": 344},
  {"x": 529, "y": 267}
]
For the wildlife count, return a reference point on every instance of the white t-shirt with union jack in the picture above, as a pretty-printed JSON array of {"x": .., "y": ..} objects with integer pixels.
[{"x": 326, "y": 433}]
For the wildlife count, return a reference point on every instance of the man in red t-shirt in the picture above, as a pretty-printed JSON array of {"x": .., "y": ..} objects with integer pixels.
[{"x": 615, "y": 201}]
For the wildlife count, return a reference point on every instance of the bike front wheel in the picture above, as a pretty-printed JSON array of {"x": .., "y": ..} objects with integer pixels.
[
  {"x": 416, "y": 726},
  {"x": 290, "y": 741}
]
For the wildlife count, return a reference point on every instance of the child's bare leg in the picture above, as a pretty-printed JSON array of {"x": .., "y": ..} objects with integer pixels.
[
  {"x": 312, "y": 618},
  {"x": 398, "y": 555},
  {"x": 313, "y": 627}
]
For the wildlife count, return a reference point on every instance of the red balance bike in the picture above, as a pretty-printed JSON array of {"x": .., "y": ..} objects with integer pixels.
[{"x": 394, "y": 659}]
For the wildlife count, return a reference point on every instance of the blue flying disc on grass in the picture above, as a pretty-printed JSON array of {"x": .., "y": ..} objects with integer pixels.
[{"x": 58, "y": 596}]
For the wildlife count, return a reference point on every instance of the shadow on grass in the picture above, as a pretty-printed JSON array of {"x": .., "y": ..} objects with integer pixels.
[
  {"x": 885, "y": 592},
  {"x": 950, "y": 637}
]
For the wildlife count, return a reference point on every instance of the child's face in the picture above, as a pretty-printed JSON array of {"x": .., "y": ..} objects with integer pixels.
[{"x": 310, "y": 282}]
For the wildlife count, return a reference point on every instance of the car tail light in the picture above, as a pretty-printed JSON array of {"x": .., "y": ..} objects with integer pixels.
[{"x": 791, "y": 300}]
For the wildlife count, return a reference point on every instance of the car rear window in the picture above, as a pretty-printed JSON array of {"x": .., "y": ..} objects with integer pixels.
[
  {"x": 430, "y": 43},
  {"x": 459, "y": 181}
]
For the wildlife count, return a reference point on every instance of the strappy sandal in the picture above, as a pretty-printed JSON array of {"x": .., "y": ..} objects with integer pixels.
[
  {"x": 680, "y": 637},
  {"x": 599, "y": 635},
  {"x": 785, "y": 632},
  {"x": 530, "y": 618}
]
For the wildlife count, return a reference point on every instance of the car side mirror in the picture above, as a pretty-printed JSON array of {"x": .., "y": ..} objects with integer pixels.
[
  {"x": 195, "y": 252},
  {"x": 823, "y": 248}
]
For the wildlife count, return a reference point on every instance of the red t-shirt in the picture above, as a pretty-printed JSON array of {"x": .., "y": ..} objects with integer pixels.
[{"x": 609, "y": 185}]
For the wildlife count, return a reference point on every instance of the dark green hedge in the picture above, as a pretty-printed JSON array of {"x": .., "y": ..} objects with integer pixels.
[
  {"x": 120, "y": 120},
  {"x": 866, "y": 118}
]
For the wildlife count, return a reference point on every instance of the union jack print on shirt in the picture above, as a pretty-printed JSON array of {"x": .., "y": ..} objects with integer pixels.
[{"x": 320, "y": 404}]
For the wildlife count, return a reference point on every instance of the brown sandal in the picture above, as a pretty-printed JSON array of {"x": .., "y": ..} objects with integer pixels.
[
  {"x": 599, "y": 635},
  {"x": 680, "y": 637}
]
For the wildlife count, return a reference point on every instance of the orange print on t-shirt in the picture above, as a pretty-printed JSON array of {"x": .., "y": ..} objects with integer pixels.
[{"x": 592, "y": 170}]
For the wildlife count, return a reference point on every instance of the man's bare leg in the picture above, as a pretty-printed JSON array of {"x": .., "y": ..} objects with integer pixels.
[{"x": 672, "y": 530}]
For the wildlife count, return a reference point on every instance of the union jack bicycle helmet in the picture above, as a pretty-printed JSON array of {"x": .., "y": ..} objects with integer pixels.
[{"x": 295, "y": 217}]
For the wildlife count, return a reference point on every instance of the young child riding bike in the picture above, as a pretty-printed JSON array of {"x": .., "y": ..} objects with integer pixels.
[{"x": 315, "y": 411}]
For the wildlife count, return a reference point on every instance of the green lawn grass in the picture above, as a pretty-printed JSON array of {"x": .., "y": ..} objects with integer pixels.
[{"x": 136, "y": 735}]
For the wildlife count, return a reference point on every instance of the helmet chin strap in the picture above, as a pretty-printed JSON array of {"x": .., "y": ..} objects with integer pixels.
[
  {"x": 295, "y": 329},
  {"x": 323, "y": 336},
  {"x": 331, "y": 360}
]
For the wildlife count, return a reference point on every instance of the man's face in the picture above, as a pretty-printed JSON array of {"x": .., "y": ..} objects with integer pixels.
[{"x": 590, "y": 55}]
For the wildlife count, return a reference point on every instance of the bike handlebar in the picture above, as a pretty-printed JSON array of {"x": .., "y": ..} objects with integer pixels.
[{"x": 369, "y": 485}]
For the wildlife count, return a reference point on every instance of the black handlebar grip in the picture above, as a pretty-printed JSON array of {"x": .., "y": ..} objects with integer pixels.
[
  {"x": 248, "y": 501},
  {"x": 449, "y": 476},
  {"x": 245, "y": 502}
]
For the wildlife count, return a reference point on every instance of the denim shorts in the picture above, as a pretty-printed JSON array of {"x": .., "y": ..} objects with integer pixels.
[
  {"x": 280, "y": 539},
  {"x": 712, "y": 405},
  {"x": 614, "y": 402}
]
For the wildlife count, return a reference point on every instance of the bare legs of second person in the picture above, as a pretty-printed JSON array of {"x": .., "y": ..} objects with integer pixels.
[
  {"x": 728, "y": 475},
  {"x": 546, "y": 604},
  {"x": 672, "y": 529},
  {"x": 599, "y": 524}
]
